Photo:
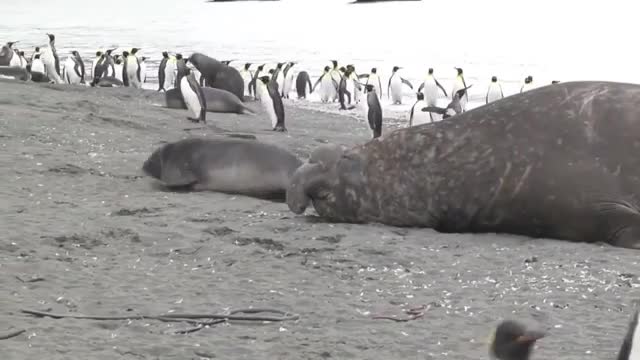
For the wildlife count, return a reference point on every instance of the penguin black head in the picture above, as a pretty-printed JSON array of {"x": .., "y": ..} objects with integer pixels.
[
  {"x": 342, "y": 69},
  {"x": 420, "y": 96},
  {"x": 459, "y": 70},
  {"x": 37, "y": 48},
  {"x": 187, "y": 71},
  {"x": 265, "y": 79},
  {"x": 351, "y": 67},
  {"x": 52, "y": 37},
  {"x": 326, "y": 68},
  {"x": 530, "y": 78},
  {"x": 21, "y": 53},
  {"x": 125, "y": 53},
  {"x": 271, "y": 71},
  {"x": 117, "y": 60},
  {"x": 396, "y": 68},
  {"x": 261, "y": 67},
  {"x": 37, "y": 56},
  {"x": 75, "y": 53},
  {"x": 280, "y": 65},
  {"x": 165, "y": 54},
  {"x": 179, "y": 56},
  {"x": 512, "y": 341},
  {"x": 134, "y": 51},
  {"x": 110, "y": 51},
  {"x": 143, "y": 58},
  {"x": 247, "y": 65},
  {"x": 555, "y": 81},
  {"x": 430, "y": 71},
  {"x": 335, "y": 63},
  {"x": 494, "y": 79},
  {"x": 98, "y": 53},
  {"x": 369, "y": 87},
  {"x": 374, "y": 70}
]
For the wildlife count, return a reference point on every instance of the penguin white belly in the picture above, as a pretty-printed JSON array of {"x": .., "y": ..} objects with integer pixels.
[
  {"x": 396, "y": 89},
  {"x": 363, "y": 104},
  {"x": 246, "y": 77},
  {"x": 143, "y": 72},
  {"x": 459, "y": 85},
  {"x": 430, "y": 91},
  {"x": 93, "y": 67},
  {"x": 280, "y": 81},
  {"x": 132, "y": 71},
  {"x": 190, "y": 98},
  {"x": 15, "y": 60},
  {"x": 335, "y": 75},
  {"x": 494, "y": 93},
  {"x": 23, "y": 62},
  {"x": 70, "y": 76},
  {"x": 419, "y": 116},
  {"x": 351, "y": 88},
  {"x": 118, "y": 71},
  {"x": 49, "y": 64},
  {"x": 169, "y": 75},
  {"x": 375, "y": 81},
  {"x": 37, "y": 66},
  {"x": 267, "y": 103},
  {"x": 288, "y": 83},
  {"x": 327, "y": 90}
]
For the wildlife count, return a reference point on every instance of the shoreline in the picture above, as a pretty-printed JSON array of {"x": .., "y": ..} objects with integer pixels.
[{"x": 80, "y": 215}]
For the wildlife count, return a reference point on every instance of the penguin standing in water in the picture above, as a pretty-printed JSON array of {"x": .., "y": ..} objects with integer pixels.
[
  {"x": 247, "y": 76},
  {"x": 528, "y": 84},
  {"x": 94, "y": 63},
  {"x": 301, "y": 84},
  {"x": 73, "y": 71},
  {"x": 454, "y": 108},
  {"x": 254, "y": 81},
  {"x": 495, "y": 91},
  {"x": 394, "y": 88},
  {"x": 271, "y": 101},
  {"x": 374, "y": 113},
  {"x": 162, "y": 71},
  {"x": 288, "y": 79},
  {"x": 193, "y": 97},
  {"x": 417, "y": 116},
  {"x": 328, "y": 86},
  {"x": 512, "y": 341},
  {"x": 15, "y": 58},
  {"x": 459, "y": 84},
  {"x": 132, "y": 66},
  {"x": 143, "y": 70},
  {"x": 430, "y": 88},
  {"x": 51, "y": 60}
]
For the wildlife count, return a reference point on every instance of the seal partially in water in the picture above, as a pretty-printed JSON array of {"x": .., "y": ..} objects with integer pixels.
[
  {"x": 229, "y": 165},
  {"x": 560, "y": 161}
]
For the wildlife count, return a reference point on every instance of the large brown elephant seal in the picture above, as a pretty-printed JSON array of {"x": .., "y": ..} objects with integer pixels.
[
  {"x": 218, "y": 75},
  {"x": 229, "y": 165},
  {"x": 217, "y": 100},
  {"x": 560, "y": 161}
]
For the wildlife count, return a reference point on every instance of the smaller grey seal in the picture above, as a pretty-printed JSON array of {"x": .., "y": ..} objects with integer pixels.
[
  {"x": 107, "y": 81},
  {"x": 217, "y": 100},
  {"x": 228, "y": 165}
]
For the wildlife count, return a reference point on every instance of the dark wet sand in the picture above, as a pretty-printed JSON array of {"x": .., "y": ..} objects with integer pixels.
[{"x": 78, "y": 213}]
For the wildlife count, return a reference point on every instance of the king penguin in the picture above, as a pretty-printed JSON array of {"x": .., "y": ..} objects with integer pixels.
[
  {"x": 454, "y": 108},
  {"x": 512, "y": 341},
  {"x": 162, "y": 71},
  {"x": 95, "y": 61},
  {"x": 74, "y": 69},
  {"x": 247, "y": 76},
  {"x": 374, "y": 79},
  {"x": 37, "y": 66},
  {"x": 278, "y": 77},
  {"x": 430, "y": 88},
  {"x": 495, "y": 91},
  {"x": 51, "y": 61},
  {"x": 459, "y": 84},
  {"x": 23, "y": 60},
  {"x": 328, "y": 86},
  {"x": 118, "y": 67},
  {"x": 15, "y": 58},
  {"x": 288, "y": 79},
  {"x": 193, "y": 97},
  {"x": 394, "y": 88},
  {"x": 302, "y": 81},
  {"x": 528, "y": 84},
  {"x": 271, "y": 101},
  {"x": 143, "y": 70},
  {"x": 254, "y": 81},
  {"x": 35, "y": 51},
  {"x": 132, "y": 66},
  {"x": 374, "y": 114},
  {"x": 417, "y": 116}
]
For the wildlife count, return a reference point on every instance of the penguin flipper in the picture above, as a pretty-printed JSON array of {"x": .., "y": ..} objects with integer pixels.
[
  {"x": 421, "y": 86},
  {"x": 363, "y": 76},
  {"x": 138, "y": 71},
  {"x": 434, "y": 109},
  {"x": 441, "y": 88},
  {"x": 316, "y": 84},
  {"x": 411, "y": 113},
  {"x": 388, "y": 87},
  {"x": 406, "y": 82},
  {"x": 310, "y": 86}
]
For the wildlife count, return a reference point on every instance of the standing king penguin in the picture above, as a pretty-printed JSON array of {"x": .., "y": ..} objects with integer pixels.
[
  {"x": 328, "y": 85},
  {"x": 51, "y": 61},
  {"x": 430, "y": 88},
  {"x": 417, "y": 116},
  {"x": 374, "y": 114},
  {"x": 193, "y": 97},
  {"x": 271, "y": 100},
  {"x": 394, "y": 88},
  {"x": 132, "y": 66},
  {"x": 247, "y": 76},
  {"x": 459, "y": 84},
  {"x": 495, "y": 91},
  {"x": 162, "y": 71}
]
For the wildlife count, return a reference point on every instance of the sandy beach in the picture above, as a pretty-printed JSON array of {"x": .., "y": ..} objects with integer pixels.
[{"x": 85, "y": 232}]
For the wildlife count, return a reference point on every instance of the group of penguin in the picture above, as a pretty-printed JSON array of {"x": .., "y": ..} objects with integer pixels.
[{"x": 511, "y": 340}]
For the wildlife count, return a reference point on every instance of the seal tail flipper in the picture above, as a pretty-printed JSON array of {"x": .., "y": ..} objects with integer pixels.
[
  {"x": 247, "y": 111},
  {"x": 622, "y": 221},
  {"x": 434, "y": 109}
]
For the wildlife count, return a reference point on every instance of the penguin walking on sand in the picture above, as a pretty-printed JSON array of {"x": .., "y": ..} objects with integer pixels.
[
  {"x": 181, "y": 69},
  {"x": 336, "y": 75},
  {"x": 454, "y": 108},
  {"x": 278, "y": 76},
  {"x": 288, "y": 79},
  {"x": 302, "y": 81},
  {"x": 374, "y": 113},
  {"x": 254, "y": 81},
  {"x": 247, "y": 76},
  {"x": 51, "y": 61},
  {"x": 416, "y": 115},
  {"x": 143, "y": 70},
  {"x": 346, "y": 88},
  {"x": 161, "y": 71},
  {"x": 328, "y": 85},
  {"x": 271, "y": 100},
  {"x": 73, "y": 71},
  {"x": 394, "y": 88},
  {"x": 528, "y": 84},
  {"x": 125, "y": 75},
  {"x": 374, "y": 79},
  {"x": 94, "y": 63},
  {"x": 37, "y": 68},
  {"x": 193, "y": 97},
  {"x": 132, "y": 66},
  {"x": 459, "y": 84},
  {"x": 118, "y": 67},
  {"x": 495, "y": 91}
]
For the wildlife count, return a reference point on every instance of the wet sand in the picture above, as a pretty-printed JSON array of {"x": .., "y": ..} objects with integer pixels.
[{"x": 79, "y": 217}]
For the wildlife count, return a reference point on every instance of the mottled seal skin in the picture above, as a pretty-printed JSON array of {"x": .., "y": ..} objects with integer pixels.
[
  {"x": 218, "y": 100},
  {"x": 219, "y": 75},
  {"x": 229, "y": 165},
  {"x": 560, "y": 161}
]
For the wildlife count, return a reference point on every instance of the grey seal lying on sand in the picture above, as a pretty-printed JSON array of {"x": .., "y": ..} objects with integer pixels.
[
  {"x": 560, "y": 161},
  {"x": 217, "y": 100},
  {"x": 229, "y": 165}
]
